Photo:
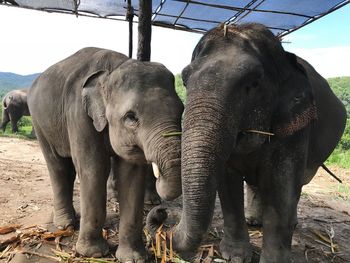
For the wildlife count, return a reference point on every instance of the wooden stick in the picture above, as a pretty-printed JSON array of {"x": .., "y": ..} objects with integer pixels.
[
  {"x": 171, "y": 134},
  {"x": 40, "y": 255},
  {"x": 261, "y": 132}
]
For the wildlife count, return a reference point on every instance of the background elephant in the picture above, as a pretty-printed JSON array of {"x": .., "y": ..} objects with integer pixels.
[
  {"x": 98, "y": 104},
  {"x": 256, "y": 113},
  {"x": 14, "y": 106}
]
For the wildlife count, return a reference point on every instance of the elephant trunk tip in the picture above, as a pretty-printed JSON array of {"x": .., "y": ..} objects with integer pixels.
[
  {"x": 155, "y": 218},
  {"x": 168, "y": 176}
]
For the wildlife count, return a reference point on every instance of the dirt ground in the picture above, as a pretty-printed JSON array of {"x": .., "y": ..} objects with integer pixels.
[{"x": 26, "y": 200}]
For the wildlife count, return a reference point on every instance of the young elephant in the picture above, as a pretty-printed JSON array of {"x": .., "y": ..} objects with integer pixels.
[
  {"x": 14, "y": 106},
  {"x": 98, "y": 104}
]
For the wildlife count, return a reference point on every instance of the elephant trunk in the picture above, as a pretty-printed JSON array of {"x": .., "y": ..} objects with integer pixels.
[
  {"x": 165, "y": 154},
  {"x": 204, "y": 152}
]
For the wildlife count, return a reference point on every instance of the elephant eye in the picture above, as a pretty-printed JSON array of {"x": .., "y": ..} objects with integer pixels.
[
  {"x": 255, "y": 84},
  {"x": 299, "y": 98},
  {"x": 130, "y": 119}
]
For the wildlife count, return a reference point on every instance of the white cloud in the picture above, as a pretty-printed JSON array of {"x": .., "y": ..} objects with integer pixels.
[
  {"x": 294, "y": 38},
  {"x": 32, "y": 41},
  {"x": 329, "y": 61}
]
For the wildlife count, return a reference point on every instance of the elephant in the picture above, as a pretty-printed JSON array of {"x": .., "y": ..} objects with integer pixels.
[
  {"x": 258, "y": 114},
  {"x": 96, "y": 105},
  {"x": 14, "y": 106}
]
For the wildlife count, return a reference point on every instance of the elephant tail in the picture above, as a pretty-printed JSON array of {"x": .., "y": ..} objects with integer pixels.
[{"x": 331, "y": 173}]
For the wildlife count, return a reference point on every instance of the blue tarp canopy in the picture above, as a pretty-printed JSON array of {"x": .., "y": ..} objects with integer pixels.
[{"x": 281, "y": 16}]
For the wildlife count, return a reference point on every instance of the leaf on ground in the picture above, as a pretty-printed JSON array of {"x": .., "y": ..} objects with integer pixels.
[
  {"x": 59, "y": 233},
  {"x": 8, "y": 229},
  {"x": 8, "y": 241}
]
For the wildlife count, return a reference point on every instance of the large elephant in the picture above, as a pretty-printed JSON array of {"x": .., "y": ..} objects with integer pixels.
[
  {"x": 98, "y": 104},
  {"x": 257, "y": 113},
  {"x": 14, "y": 106}
]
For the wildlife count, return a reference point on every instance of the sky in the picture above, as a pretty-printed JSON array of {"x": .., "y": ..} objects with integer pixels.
[{"x": 31, "y": 41}]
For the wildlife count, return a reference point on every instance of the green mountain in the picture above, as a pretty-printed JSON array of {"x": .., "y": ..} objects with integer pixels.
[{"x": 10, "y": 81}]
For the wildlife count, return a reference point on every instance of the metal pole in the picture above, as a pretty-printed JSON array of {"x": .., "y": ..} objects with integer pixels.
[
  {"x": 144, "y": 30},
  {"x": 130, "y": 18}
]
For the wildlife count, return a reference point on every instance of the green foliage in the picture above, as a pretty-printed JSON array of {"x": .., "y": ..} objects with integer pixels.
[
  {"x": 25, "y": 121},
  {"x": 180, "y": 88},
  {"x": 341, "y": 155},
  {"x": 340, "y": 158},
  {"x": 341, "y": 88},
  {"x": 344, "y": 143},
  {"x": 24, "y": 132}
]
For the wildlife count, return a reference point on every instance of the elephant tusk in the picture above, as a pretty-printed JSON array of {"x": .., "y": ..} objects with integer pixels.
[{"x": 155, "y": 170}]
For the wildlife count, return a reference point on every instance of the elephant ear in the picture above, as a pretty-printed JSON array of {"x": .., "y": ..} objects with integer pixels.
[
  {"x": 186, "y": 72},
  {"x": 296, "y": 107},
  {"x": 93, "y": 97}
]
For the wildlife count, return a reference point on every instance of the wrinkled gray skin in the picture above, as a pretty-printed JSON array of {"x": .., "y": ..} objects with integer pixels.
[
  {"x": 246, "y": 81},
  {"x": 103, "y": 105},
  {"x": 14, "y": 106}
]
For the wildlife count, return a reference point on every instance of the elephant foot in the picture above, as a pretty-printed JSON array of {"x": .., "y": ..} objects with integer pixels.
[
  {"x": 63, "y": 220},
  {"x": 237, "y": 252},
  {"x": 280, "y": 255},
  {"x": 95, "y": 248},
  {"x": 126, "y": 254}
]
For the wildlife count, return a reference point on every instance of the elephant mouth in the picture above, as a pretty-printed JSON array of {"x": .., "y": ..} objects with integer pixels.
[
  {"x": 133, "y": 154},
  {"x": 249, "y": 140}
]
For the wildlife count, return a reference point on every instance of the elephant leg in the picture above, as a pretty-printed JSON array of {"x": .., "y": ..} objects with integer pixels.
[
  {"x": 253, "y": 211},
  {"x": 93, "y": 168},
  {"x": 131, "y": 189},
  {"x": 280, "y": 191},
  {"x": 62, "y": 176},
  {"x": 151, "y": 195},
  {"x": 5, "y": 120},
  {"x": 14, "y": 125},
  {"x": 235, "y": 245}
]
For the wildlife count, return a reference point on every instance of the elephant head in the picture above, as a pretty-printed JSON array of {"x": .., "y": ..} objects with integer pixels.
[
  {"x": 138, "y": 104},
  {"x": 240, "y": 81}
]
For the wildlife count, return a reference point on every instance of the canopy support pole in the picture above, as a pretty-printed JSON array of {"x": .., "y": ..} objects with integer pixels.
[
  {"x": 144, "y": 30},
  {"x": 130, "y": 18}
]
